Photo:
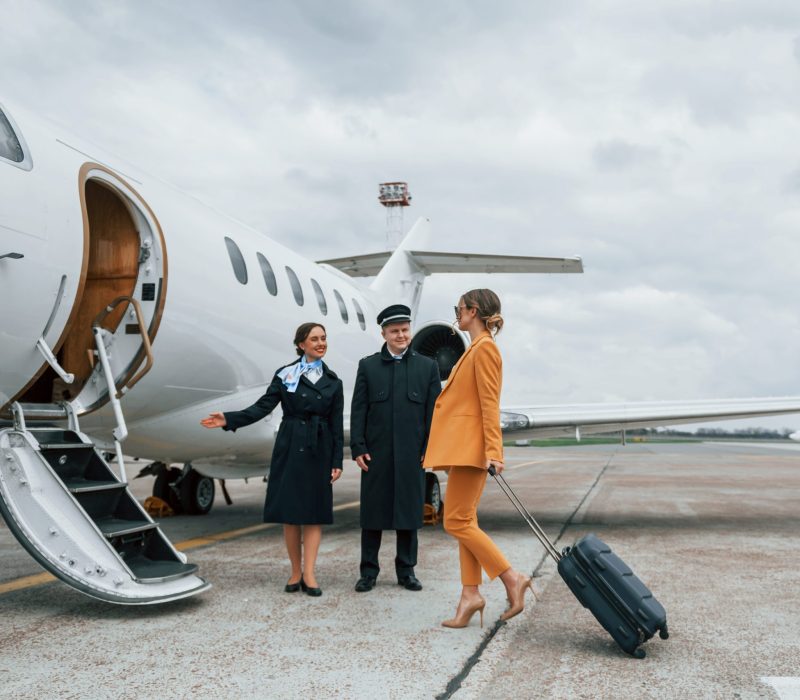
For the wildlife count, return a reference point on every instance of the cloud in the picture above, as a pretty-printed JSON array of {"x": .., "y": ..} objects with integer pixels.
[{"x": 653, "y": 139}]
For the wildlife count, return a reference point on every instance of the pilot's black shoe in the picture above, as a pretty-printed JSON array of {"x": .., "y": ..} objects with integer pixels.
[
  {"x": 409, "y": 582},
  {"x": 365, "y": 583}
]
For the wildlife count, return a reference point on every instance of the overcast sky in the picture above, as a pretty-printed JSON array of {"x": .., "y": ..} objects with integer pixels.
[{"x": 657, "y": 140}]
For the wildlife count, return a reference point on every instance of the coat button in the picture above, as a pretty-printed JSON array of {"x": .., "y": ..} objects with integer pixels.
[
  {"x": 302, "y": 422},
  {"x": 301, "y": 449},
  {"x": 319, "y": 396},
  {"x": 303, "y": 395}
]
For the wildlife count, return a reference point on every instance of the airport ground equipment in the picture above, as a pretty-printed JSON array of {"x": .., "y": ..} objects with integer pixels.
[
  {"x": 603, "y": 583},
  {"x": 77, "y": 518}
]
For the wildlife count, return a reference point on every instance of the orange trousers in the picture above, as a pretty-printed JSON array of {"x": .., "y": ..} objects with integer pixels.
[{"x": 476, "y": 549}]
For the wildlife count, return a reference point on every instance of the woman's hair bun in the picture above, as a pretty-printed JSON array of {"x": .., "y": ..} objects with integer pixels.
[{"x": 494, "y": 324}]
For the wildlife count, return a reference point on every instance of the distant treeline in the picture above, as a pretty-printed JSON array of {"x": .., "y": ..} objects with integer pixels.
[{"x": 739, "y": 433}]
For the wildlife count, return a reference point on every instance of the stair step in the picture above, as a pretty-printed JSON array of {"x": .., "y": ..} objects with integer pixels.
[
  {"x": 145, "y": 569},
  {"x": 48, "y": 446},
  {"x": 116, "y": 527},
  {"x": 79, "y": 485}
]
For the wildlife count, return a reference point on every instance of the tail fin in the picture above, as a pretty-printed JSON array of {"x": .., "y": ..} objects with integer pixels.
[{"x": 400, "y": 275}]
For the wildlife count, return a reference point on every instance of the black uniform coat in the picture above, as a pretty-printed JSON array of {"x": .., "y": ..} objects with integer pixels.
[
  {"x": 309, "y": 444},
  {"x": 390, "y": 419}
]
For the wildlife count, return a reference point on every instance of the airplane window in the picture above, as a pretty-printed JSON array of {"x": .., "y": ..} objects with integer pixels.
[
  {"x": 360, "y": 315},
  {"x": 239, "y": 267},
  {"x": 269, "y": 275},
  {"x": 323, "y": 305},
  {"x": 342, "y": 307},
  {"x": 297, "y": 290},
  {"x": 10, "y": 147}
]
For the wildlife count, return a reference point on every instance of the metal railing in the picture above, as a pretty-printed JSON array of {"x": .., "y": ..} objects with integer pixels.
[{"x": 121, "y": 431}]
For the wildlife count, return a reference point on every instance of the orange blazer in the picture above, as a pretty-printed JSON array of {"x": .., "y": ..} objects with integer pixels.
[{"x": 466, "y": 417}]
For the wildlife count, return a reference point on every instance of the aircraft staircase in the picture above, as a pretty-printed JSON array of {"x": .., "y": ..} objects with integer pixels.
[{"x": 72, "y": 513}]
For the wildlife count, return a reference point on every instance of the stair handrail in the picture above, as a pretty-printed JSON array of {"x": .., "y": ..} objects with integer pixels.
[
  {"x": 50, "y": 358},
  {"x": 121, "y": 431},
  {"x": 142, "y": 331}
]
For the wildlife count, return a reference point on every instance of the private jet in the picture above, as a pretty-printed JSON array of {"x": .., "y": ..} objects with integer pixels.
[{"x": 130, "y": 311}]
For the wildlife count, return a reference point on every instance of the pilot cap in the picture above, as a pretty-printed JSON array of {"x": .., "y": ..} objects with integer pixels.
[{"x": 396, "y": 313}]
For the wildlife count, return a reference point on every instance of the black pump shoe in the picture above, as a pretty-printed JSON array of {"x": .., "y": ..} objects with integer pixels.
[
  {"x": 293, "y": 587},
  {"x": 313, "y": 592}
]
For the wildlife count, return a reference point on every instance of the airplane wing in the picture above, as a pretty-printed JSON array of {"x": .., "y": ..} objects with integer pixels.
[
  {"x": 436, "y": 262},
  {"x": 587, "y": 419}
]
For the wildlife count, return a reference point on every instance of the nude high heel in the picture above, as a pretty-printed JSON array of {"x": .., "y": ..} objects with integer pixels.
[
  {"x": 464, "y": 615},
  {"x": 516, "y": 601}
]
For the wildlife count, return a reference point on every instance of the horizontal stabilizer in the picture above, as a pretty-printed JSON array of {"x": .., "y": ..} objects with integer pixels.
[
  {"x": 436, "y": 262},
  {"x": 359, "y": 265}
]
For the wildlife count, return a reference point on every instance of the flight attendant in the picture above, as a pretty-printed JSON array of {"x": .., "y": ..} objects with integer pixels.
[
  {"x": 466, "y": 439},
  {"x": 307, "y": 457}
]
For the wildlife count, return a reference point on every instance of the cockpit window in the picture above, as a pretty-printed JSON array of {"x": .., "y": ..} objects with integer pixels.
[{"x": 10, "y": 147}]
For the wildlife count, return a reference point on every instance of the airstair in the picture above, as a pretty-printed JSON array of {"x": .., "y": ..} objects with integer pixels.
[
  {"x": 71, "y": 512},
  {"x": 74, "y": 515}
]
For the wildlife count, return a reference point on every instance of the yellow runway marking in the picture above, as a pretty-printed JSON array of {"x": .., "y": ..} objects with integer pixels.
[
  {"x": 26, "y": 582},
  {"x": 39, "y": 579},
  {"x": 527, "y": 464}
]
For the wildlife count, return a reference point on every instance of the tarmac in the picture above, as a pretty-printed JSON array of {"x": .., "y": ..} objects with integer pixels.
[{"x": 712, "y": 529}]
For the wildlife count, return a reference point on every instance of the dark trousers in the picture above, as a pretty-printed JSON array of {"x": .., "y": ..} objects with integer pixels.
[{"x": 404, "y": 562}]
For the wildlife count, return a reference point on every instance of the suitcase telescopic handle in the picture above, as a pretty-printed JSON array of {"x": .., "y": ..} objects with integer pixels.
[{"x": 541, "y": 535}]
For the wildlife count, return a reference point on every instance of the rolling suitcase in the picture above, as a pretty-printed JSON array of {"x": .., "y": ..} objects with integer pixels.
[{"x": 603, "y": 583}]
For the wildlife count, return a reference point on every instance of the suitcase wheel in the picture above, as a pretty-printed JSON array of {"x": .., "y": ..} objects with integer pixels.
[
  {"x": 663, "y": 632},
  {"x": 638, "y": 653}
]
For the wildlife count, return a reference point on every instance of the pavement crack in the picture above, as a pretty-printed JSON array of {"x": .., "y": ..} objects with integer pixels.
[{"x": 456, "y": 681}]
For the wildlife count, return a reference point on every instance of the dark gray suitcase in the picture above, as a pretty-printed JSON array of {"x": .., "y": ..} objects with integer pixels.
[{"x": 603, "y": 583}]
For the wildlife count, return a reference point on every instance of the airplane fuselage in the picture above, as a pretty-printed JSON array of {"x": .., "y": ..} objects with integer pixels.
[{"x": 91, "y": 228}]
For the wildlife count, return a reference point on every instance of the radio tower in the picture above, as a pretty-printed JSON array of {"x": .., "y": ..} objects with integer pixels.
[{"x": 394, "y": 196}]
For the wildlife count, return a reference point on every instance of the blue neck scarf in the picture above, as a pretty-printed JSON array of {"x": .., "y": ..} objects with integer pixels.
[{"x": 291, "y": 374}]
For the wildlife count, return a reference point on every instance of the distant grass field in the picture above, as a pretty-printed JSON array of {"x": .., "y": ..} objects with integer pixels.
[{"x": 571, "y": 442}]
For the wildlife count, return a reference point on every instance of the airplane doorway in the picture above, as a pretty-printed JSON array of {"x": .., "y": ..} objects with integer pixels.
[{"x": 124, "y": 256}]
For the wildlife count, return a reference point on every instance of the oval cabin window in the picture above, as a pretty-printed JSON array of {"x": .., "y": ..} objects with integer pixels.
[
  {"x": 269, "y": 275},
  {"x": 323, "y": 304},
  {"x": 342, "y": 307},
  {"x": 360, "y": 316},
  {"x": 294, "y": 283},
  {"x": 237, "y": 260}
]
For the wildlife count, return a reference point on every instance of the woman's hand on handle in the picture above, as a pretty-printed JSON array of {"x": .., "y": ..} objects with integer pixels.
[
  {"x": 214, "y": 420},
  {"x": 335, "y": 474},
  {"x": 498, "y": 465}
]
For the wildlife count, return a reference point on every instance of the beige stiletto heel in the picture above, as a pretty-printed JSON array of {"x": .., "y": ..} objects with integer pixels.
[
  {"x": 517, "y": 601},
  {"x": 463, "y": 617}
]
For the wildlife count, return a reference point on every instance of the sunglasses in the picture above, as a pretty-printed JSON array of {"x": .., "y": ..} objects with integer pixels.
[{"x": 457, "y": 309}]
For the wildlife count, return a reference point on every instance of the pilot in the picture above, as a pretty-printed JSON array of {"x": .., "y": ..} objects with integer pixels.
[{"x": 390, "y": 417}]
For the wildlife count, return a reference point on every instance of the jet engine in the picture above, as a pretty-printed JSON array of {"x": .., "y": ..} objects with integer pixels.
[{"x": 441, "y": 342}]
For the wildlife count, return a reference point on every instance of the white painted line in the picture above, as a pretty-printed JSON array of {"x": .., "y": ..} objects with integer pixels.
[
  {"x": 787, "y": 687},
  {"x": 765, "y": 445}
]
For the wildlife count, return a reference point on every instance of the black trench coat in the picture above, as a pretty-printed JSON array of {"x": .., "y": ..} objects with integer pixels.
[
  {"x": 309, "y": 444},
  {"x": 390, "y": 419}
]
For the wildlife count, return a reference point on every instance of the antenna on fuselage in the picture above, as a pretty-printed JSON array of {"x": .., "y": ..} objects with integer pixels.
[{"x": 394, "y": 196}]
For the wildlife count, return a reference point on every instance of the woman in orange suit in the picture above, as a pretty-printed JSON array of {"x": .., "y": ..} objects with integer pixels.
[{"x": 465, "y": 439}]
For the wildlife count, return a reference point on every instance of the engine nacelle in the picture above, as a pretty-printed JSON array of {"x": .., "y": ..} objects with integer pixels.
[{"x": 441, "y": 342}]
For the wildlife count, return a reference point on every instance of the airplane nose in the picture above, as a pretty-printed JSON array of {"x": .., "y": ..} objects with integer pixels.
[{"x": 42, "y": 254}]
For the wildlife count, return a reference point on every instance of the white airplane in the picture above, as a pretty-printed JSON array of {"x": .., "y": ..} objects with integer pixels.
[{"x": 130, "y": 311}]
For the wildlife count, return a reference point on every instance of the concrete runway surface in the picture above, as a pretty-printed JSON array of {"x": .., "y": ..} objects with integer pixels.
[{"x": 712, "y": 529}]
